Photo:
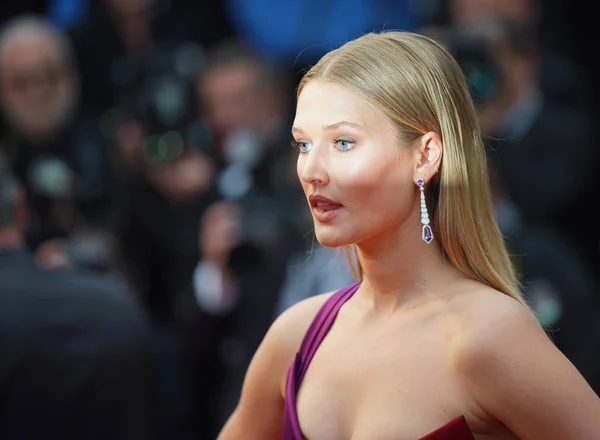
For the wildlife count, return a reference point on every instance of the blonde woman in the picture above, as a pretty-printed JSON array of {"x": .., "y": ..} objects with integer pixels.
[{"x": 435, "y": 340}]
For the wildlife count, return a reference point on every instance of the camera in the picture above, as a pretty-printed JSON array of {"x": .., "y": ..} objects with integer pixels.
[
  {"x": 473, "y": 54},
  {"x": 160, "y": 95}
]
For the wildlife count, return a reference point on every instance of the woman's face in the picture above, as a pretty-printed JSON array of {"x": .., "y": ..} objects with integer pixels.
[{"x": 351, "y": 157}]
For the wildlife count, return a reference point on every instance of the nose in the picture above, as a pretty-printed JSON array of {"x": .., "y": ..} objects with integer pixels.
[
  {"x": 37, "y": 89},
  {"x": 312, "y": 168}
]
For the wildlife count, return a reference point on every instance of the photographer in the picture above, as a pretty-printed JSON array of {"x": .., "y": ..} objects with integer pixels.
[
  {"x": 52, "y": 142},
  {"x": 246, "y": 239},
  {"x": 528, "y": 129},
  {"x": 166, "y": 183},
  {"x": 164, "y": 190},
  {"x": 537, "y": 184}
]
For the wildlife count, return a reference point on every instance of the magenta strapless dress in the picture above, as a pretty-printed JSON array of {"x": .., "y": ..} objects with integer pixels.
[{"x": 456, "y": 429}]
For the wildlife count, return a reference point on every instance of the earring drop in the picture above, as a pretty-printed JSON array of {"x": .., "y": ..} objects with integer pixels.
[{"x": 426, "y": 231}]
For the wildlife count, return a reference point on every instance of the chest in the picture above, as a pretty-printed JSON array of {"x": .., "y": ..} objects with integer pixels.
[{"x": 392, "y": 387}]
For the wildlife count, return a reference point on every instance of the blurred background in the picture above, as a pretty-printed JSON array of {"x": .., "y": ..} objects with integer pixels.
[{"x": 152, "y": 138}]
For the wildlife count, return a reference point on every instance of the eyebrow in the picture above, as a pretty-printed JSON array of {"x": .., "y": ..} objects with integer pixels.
[
  {"x": 341, "y": 124},
  {"x": 332, "y": 126}
]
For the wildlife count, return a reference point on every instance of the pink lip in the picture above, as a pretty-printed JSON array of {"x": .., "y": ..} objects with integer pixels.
[{"x": 324, "y": 209}]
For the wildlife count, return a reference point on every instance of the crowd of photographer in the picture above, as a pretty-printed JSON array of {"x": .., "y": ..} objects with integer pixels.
[{"x": 152, "y": 142}]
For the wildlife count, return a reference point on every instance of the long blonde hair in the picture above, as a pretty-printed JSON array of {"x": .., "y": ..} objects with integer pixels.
[{"x": 419, "y": 86}]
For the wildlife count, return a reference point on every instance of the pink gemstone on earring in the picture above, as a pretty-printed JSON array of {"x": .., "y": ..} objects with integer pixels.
[{"x": 427, "y": 234}]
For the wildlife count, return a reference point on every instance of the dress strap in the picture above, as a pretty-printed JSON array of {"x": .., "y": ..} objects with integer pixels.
[{"x": 320, "y": 326}]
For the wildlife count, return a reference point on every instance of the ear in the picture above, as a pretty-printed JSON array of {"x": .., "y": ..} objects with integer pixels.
[{"x": 428, "y": 156}]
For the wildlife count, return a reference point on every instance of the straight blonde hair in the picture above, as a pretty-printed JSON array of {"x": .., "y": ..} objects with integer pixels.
[{"x": 419, "y": 86}]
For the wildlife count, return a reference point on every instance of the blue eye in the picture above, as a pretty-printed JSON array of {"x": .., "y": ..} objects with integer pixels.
[
  {"x": 304, "y": 147},
  {"x": 344, "y": 145}
]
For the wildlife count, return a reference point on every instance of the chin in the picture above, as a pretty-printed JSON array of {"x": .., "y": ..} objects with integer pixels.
[{"x": 332, "y": 238}]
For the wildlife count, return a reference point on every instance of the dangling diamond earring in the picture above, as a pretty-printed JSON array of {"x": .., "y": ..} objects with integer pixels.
[{"x": 426, "y": 232}]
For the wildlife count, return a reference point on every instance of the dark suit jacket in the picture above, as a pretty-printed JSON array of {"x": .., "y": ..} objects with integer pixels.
[
  {"x": 75, "y": 356},
  {"x": 218, "y": 349},
  {"x": 551, "y": 175}
]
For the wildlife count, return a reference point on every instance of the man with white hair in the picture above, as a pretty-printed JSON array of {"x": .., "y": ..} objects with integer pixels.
[
  {"x": 38, "y": 78},
  {"x": 52, "y": 143}
]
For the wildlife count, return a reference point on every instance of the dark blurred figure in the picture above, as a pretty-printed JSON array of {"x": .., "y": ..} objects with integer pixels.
[
  {"x": 247, "y": 104},
  {"x": 166, "y": 181},
  {"x": 565, "y": 28},
  {"x": 139, "y": 60},
  {"x": 244, "y": 241},
  {"x": 76, "y": 359},
  {"x": 529, "y": 131},
  {"x": 52, "y": 142},
  {"x": 231, "y": 301},
  {"x": 543, "y": 155},
  {"x": 121, "y": 42},
  {"x": 239, "y": 90},
  {"x": 561, "y": 75}
]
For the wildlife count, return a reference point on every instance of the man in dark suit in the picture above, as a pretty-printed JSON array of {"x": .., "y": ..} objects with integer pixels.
[{"x": 76, "y": 358}]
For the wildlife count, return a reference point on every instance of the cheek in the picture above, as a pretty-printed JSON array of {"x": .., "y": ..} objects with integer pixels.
[
  {"x": 368, "y": 177},
  {"x": 379, "y": 190}
]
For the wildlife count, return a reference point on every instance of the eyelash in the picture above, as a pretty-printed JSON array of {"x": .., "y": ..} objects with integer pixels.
[
  {"x": 337, "y": 141},
  {"x": 296, "y": 145}
]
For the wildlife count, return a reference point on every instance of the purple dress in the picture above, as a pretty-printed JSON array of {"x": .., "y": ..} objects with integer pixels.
[{"x": 456, "y": 429}]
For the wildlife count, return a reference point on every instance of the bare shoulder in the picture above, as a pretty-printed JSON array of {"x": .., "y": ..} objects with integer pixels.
[
  {"x": 509, "y": 366},
  {"x": 485, "y": 305},
  {"x": 491, "y": 323},
  {"x": 291, "y": 325}
]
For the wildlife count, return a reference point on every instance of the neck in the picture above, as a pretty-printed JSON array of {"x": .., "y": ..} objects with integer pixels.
[
  {"x": 10, "y": 238},
  {"x": 400, "y": 269}
]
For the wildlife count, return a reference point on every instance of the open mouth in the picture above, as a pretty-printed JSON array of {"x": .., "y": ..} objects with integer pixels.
[{"x": 324, "y": 209}]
